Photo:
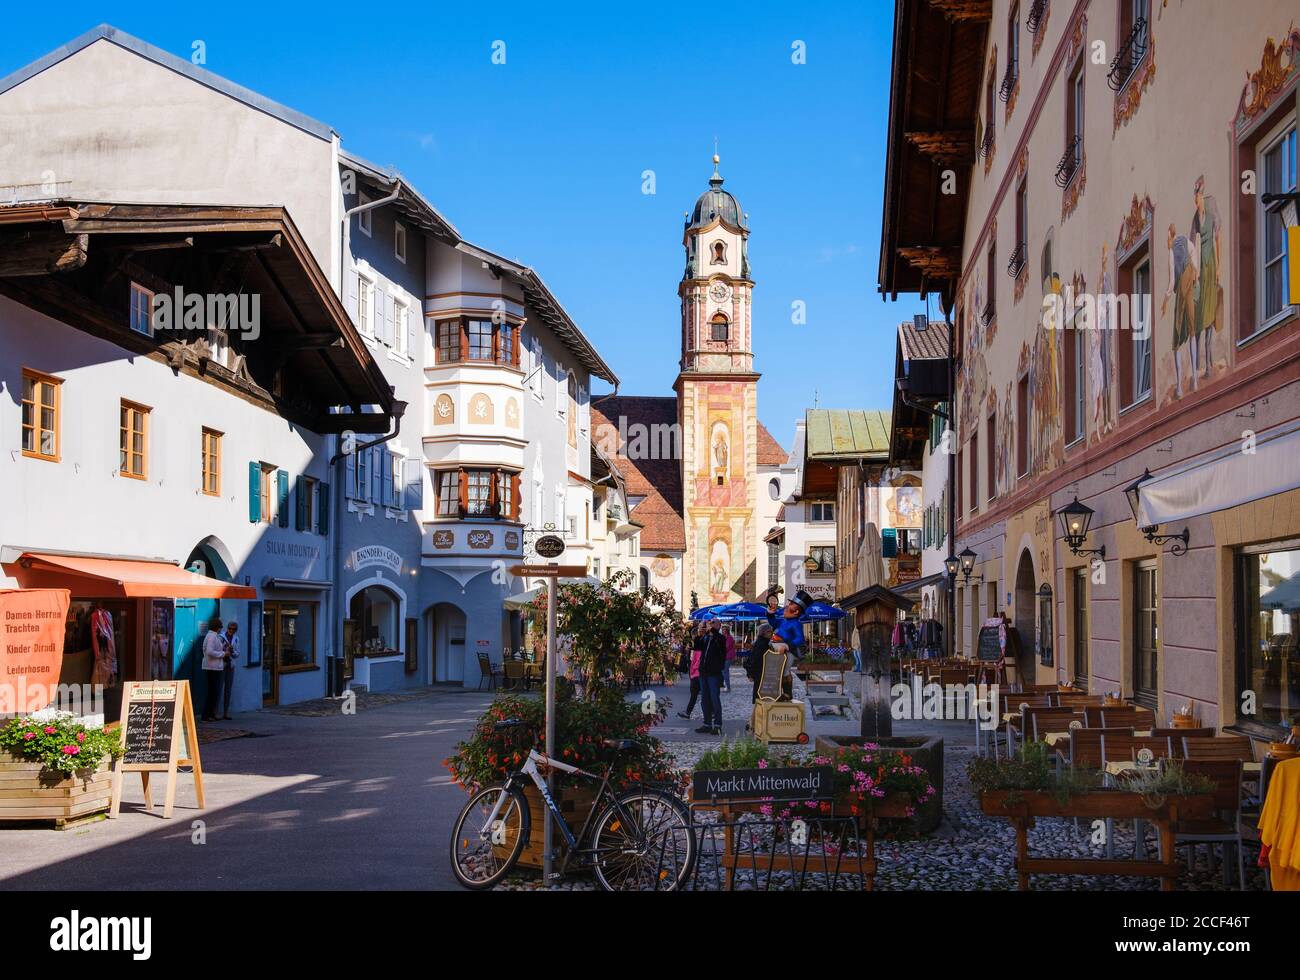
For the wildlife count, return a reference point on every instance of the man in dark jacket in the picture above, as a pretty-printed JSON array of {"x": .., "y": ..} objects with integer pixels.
[
  {"x": 713, "y": 661},
  {"x": 754, "y": 662}
]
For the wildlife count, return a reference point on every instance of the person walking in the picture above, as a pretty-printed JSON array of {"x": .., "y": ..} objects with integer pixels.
[
  {"x": 693, "y": 672},
  {"x": 713, "y": 661},
  {"x": 731, "y": 656},
  {"x": 228, "y": 675},
  {"x": 214, "y": 667}
]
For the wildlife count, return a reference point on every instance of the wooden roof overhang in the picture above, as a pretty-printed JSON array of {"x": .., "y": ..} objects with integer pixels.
[
  {"x": 75, "y": 261},
  {"x": 933, "y": 108}
]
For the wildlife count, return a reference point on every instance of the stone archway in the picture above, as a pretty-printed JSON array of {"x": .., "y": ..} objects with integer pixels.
[{"x": 1026, "y": 594}]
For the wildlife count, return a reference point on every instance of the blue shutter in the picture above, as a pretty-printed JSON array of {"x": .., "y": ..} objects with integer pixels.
[
  {"x": 413, "y": 490},
  {"x": 254, "y": 492},
  {"x": 390, "y": 315},
  {"x": 300, "y": 511},
  {"x": 386, "y": 477},
  {"x": 323, "y": 511},
  {"x": 889, "y": 543},
  {"x": 415, "y": 318},
  {"x": 352, "y": 296},
  {"x": 376, "y": 488},
  {"x": 381, "y": 315},
  {"x": 282, "y": 497},
  {"x": 349, "y": 476}
]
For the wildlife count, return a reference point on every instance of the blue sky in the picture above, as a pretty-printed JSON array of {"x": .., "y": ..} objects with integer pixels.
[{"x": 541, "y": 158}]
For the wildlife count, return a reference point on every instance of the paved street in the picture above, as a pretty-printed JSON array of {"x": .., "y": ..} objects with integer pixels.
[{"x": 351, "y": 802}]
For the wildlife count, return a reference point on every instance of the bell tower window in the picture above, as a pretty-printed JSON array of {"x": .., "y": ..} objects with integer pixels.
[
  {"x": 719, "y": 253},
  {"x": 719, "y": 328}
]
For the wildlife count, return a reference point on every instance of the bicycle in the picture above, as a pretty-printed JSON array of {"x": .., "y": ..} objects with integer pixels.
[{"x": 637, "y": 840}]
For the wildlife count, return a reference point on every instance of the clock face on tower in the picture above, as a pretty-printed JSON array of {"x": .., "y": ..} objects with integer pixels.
[{"x": 720, "y": 292}]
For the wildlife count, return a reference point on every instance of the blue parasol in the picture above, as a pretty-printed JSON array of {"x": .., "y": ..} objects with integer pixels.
[
  {"x": 820, "y": 612},
  {"x": 705, "y": 613},
  {"x": 742, "y": 611}
]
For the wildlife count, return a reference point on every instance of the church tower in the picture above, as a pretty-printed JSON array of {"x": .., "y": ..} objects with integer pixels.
[{"x": 717, "y": 402}]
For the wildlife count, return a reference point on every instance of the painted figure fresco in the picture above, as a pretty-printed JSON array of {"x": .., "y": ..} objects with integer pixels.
[
  {"x": 720, "y": 570},
  {"x": 1196, "y": 291},
  {"x": 721, "y": 451},
  {"x": 1100, "y": 345}
]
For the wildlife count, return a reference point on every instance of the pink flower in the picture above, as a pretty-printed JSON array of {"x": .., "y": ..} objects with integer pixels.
[
  {"x": 50, "y": 729},
  {"x": 28, "y": 736},
  {"x": 81, "y": 736},
  {"x": 71, "y": 750}
]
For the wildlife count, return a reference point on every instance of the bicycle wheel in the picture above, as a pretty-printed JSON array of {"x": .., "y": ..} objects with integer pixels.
[
  {"x": 648, "y": 846},
  {"x": 481, "y": 855}
]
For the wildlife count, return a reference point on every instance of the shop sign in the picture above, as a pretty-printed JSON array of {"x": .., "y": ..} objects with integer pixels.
[
  {"x": 815, "y": 783},
  {"x": 549, "y": 546},
  {"x": 31, "y": 647},
  {"x": 376, "y": 554},
  {"x": 158, "y": 735}
]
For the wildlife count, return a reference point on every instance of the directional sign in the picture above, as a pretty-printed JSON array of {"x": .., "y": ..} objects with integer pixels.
[
  {"x": 549, "y": 571},
  {"x": 549, "y": 546}
]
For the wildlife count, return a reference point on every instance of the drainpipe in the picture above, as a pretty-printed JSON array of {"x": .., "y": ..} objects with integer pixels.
[
  {"x": 952, "y": 483},
  {"x": 343, "y": 224}
]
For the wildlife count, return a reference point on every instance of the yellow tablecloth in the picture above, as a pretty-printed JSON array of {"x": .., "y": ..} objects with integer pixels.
[{"x": 1279, "y": 826}]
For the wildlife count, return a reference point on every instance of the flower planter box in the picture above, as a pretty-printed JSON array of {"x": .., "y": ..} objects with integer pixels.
[
  {"x": 734, "y": 857},
  {"x": 30, "y": 792},
  {"x": 575, "y": 803},
  {"x": 1023, "y": 807},
  {"x": 926, "y": 752}
]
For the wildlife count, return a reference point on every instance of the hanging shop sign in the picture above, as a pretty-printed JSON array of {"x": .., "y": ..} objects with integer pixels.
[
  {"x": 31, "y": 647},
  {"x": 549, "y": 546},
  {"x": 158, "y": 735}
]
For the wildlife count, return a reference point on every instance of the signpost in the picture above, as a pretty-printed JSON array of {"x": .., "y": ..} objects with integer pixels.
[
  {"x": 813, "y": 783},
  {"x": 157, "y": 724},
  {"x": 547, "y": 547}
]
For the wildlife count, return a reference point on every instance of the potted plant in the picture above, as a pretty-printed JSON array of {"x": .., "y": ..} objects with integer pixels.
[{"x": 55, "y": 768}]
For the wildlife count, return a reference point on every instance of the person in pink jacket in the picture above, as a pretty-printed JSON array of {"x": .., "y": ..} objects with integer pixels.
[
  {"x": 694, "y": 673},
  {"x": 731, "y": 655}
]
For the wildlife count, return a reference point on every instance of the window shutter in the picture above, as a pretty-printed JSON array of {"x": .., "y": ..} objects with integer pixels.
[
  {"x": 254, "y": 492},
  {"x": 350, "y": 476},
  {"x": 386, "y": 477},
  {"x": 282, "y": 497},
  {"x": 376, "y": 487},
  {"x": 323, "y": 511},
  {"x": 300, "y": 512},
  {"x": 390, "y": 314},
  {"x": 352, "y": 297},
  {"x": 414, "y": 318},
  {"x": 889, "y": 543},
  {"x": 413, "y": 491},
  {"x": 381, "y": 306},
  {"x": 462, "y": 487},
  {"x": 515, "y": 497}
]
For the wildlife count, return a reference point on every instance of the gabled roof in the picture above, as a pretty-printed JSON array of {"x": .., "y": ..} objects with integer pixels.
[
  {"x": 930, "y": 344},
  {"x": 106, "y": 32},
  {"x": 410, "y": 202},
  {"x": 769, "y": 451},
  {"x": 847, "y": 434},
  {"x": 657, "y": 481}
]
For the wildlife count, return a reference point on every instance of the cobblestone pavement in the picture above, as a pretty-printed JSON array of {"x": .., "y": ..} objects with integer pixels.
[
  {"x": 969, "y": 851},
  {"x": 365, "y": 700}
]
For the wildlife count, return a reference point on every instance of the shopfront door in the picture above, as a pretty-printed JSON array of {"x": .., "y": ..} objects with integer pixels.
[{"x": 192, "y": 616}]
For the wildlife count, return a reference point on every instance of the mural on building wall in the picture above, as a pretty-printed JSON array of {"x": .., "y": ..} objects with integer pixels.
[
  {"x": 1277, "y": 65},
  {"x": 1101, "y": 344},
  {"x": 444, "y": 410},
  {"x": 901, "y": 505},
  {"x": 1043, "y": 362},
  {"x": 480, "y": 410},
  {"x": 512, "y": 413},
  {"x": 1197, "y": 298},
  {"x": 1005, "y": 443},
  {"x": 719, "y": 511}
]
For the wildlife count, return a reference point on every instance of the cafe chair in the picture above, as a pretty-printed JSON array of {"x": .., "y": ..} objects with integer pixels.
[
  {"x": 1224, "y": 827},
  {"x": 1176, "y": 736},
  {"x": 514, "y": 675},
  {"x": 1142, "y": 719},
  {"x": 489, "y": 673},
  {"x": 1222, "y": 748},
  {"x": 1125, "y": 748}
]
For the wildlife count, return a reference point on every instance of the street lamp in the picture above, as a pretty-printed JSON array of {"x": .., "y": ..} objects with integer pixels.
[
  {"x": 1075, "y": 520},
  {"x": 967, "y": 563},
  {"x": 1179, "y": 541},
  {"x": 950, "y": 565}
]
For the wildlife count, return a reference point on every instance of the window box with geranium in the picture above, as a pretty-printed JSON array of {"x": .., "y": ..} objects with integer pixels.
[{"x": 55, "y": 769}]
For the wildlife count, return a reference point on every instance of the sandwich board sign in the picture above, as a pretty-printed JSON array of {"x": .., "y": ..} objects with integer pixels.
[{"x": 158, "y": 735}]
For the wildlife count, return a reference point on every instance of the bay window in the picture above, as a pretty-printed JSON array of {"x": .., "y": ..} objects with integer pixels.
[
  {"x": 478, "y": 492},
  {"x": 478, "y": 340}
]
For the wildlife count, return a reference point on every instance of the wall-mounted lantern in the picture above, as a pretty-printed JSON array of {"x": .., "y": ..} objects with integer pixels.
[
  {"x": 1075, "y": 519},
  {"x": 1178, "y": 542}
]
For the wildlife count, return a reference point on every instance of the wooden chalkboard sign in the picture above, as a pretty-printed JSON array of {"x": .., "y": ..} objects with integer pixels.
[
  {"x": 990, "y": 643},
  {"x": 158, "y": 735}
]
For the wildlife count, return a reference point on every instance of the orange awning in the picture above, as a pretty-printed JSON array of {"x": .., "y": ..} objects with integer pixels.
[{"x": 122, "y": 578}]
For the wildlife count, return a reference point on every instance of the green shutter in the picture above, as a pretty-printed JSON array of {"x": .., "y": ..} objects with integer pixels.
[
  {"x": 300, "y": 511},
  {"x": 889, "y": 543},
  {"x": 254, "y": 492},
  {"x": 323, "y": 510},
  {"x": 282, "y": 497}
]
